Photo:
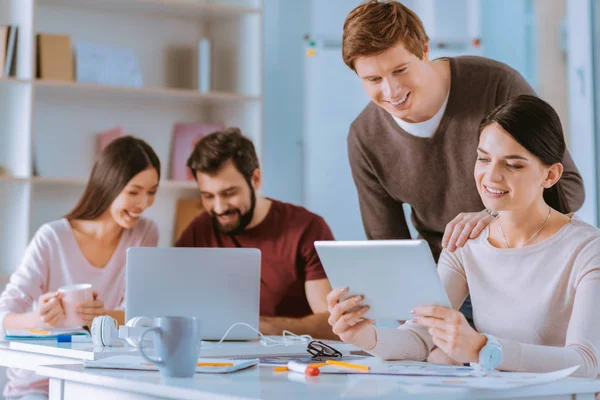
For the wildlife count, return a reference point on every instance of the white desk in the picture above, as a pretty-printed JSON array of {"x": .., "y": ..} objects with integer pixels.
[
  {"x": 30, "y": 354},
  {"x": 69, "y": 382},
  {"x": 33, "y": 353}
]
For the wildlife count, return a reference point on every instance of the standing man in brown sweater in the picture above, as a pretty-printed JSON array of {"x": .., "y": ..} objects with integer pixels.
[{"x": 416, "y": 142}]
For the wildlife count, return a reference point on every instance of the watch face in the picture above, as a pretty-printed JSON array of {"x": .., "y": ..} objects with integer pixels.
[{"x": 492, "y": 355}]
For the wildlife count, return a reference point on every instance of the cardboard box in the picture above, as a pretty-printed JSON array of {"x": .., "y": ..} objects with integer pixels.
[{"x": 55, "y": 57}]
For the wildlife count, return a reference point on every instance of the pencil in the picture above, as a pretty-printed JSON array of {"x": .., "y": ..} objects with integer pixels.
[
  {"x": 215, "y": 364},
  {"x": 38, "y": 331},
  {"x": 348, "y": 365}
]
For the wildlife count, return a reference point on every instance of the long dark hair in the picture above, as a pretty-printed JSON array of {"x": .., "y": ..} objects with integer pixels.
[
  {"x": 535, "y": 125},
  {"x": 116, "y": 165}
]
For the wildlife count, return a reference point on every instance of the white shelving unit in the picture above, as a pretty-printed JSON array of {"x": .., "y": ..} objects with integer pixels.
[{"x": 48, "y": 129}]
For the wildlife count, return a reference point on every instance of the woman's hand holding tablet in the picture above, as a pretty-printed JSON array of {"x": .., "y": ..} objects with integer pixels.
[
  {"x": 450, "y": 332},
  {"x": 346, "y": 319}
]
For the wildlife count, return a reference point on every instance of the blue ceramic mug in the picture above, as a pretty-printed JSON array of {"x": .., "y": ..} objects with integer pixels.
[{"x": 177, "y": 343}]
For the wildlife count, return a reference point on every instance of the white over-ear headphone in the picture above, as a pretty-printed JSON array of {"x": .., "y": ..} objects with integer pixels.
[
  {"x": 105, "y": 330},
  {"x": 133, "y": 330}
]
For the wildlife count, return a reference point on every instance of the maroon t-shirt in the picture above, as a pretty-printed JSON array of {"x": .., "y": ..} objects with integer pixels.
[{"x": 286, "y": 240}]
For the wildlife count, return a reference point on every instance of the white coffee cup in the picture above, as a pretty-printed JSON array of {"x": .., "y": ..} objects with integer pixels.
[{"x": 73, "y": 295}]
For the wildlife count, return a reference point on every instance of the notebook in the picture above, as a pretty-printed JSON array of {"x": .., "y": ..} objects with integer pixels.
[
  {"x": 136, "y": 362},
  {"x": 185, "y": 137},
  {"x": 28, "y": 334}
]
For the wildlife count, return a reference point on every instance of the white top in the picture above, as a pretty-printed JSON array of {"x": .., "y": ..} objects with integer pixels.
[
  {"x": 53, "y": 259},
  {"x": 425, "y": 129},
  {"x": 540, "y": 301}
]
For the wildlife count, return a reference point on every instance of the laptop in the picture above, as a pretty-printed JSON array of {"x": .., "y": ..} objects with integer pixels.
[
  {"x": 220, "y": 286},
  {"x": 395, "y": 276}
]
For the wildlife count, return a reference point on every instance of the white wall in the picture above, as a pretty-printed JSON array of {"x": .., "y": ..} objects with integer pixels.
[
  {"x": 333, "y": 99},
  {"x": 327, "y": 17},
  {"x": 581, "y": 102},
  {"x": 285, "y": 24},
  {"x": 507, "y": 35},
  {"x": 551, "y": 58}
]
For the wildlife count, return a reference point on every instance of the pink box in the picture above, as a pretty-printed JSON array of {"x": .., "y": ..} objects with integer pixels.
[
  {"x": 104, "y": 138},
  {"x": 185, "y": 137}
]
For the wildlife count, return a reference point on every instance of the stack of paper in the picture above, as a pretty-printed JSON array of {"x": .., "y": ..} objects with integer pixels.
[
  {"x": 494, "y": 380},
  {"x": 136, "y": 362}
]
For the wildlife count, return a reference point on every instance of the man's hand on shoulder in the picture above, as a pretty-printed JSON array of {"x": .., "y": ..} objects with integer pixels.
[{"x": 464, "y": 227}]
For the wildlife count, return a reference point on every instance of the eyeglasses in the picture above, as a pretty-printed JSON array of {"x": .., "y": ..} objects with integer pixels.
[{"x": 319, "y": 349}]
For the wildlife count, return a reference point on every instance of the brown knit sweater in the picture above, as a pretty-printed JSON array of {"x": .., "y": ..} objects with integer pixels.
[{"x": 435, "y": 175}]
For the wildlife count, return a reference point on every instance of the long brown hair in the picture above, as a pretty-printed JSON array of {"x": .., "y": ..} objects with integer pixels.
[{"x": 116, "y": 165}]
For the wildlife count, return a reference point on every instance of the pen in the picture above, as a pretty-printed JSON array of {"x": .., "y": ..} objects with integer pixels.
[
  {"x": 72, "y": 338},
  {"x": 348, "y": 365},
  {"x": 306, "y": 369}
]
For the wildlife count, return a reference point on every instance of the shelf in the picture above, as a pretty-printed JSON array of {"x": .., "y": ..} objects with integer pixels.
[
  {"x": 138, "y": 94},
  {"x": 40, "y": 180},
  {"x": 9, "y": 81},
  {"x": 165, "y": 183},
  {"x": 189, "y": 9},
  {"x": 9, "y": 178}
]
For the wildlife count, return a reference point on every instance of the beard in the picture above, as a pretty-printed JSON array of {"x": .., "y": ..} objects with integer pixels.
[{"x": 243, "y": 220}]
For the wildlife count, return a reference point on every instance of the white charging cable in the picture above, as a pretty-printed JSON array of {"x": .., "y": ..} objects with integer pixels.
[{"x": 288, "y": 338}]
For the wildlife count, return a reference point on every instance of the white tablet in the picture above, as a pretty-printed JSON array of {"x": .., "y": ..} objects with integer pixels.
[{"x": 395, "y": 276}]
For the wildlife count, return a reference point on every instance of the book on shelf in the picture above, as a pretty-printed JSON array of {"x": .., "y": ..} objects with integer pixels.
[
  {"x": 185, "y": 137},
  {"x": 3, "y": 42},
  {"x": 187, "y": 210},
  {"x": 103, "y": 65},
  {"x": 55, "y": 57},
  {"x": 204, "y": 65},
  {"x": 10, "y": 61},
  {"x": 103, "y": 139}
]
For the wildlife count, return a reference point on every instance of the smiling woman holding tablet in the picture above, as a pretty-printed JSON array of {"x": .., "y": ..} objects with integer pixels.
[{"x": 533, "y": 276}]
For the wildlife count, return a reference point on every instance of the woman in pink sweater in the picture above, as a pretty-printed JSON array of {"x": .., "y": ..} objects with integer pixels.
[
  {"x": 533, "y": 277},
  {"x": 88, "y": 245}
]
